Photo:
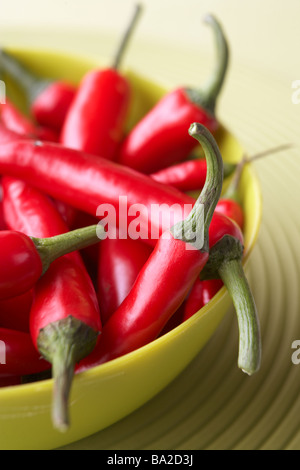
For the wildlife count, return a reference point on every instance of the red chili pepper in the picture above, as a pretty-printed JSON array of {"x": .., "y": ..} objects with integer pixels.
[
  {"x": 168, "y": 274},
  {"x": 96, "y": 119},
  {"x": 160, "y": 138},
  {"x": 14, "y": 312},
  {"x": 21, "y": 264},
  {"x": 92, "y": 181},
  {"x": 64, "y": 318},
  {"x": 189, "y": 175},
  {"x": 67, "y": 212},
  {"x": 64, "y": 325},
  {"x": 7, "y": 135},
  {"x": 232, "y": 208},
  {"x": 230, "y": 202},
  {"x": 201, "y": 293},
  {"x": 25, "y": 259},
  {"x": 18, "y": 355},
  {"x": 10, "y": 380},
  {"x": 31, "y": 212},
  {"x": 222, "y": 225},
  {"x": 16, "y": 121},
  {"x": 157, "y": 293},
  {"x": 48, "y": 100},
  {"x": 2, "y": 220},
  {"x": 90, "y": 254},
  {"x": 120, "y": 261}
]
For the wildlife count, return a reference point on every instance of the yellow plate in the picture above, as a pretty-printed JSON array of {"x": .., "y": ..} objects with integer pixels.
[{"x": 105, "y": 394}]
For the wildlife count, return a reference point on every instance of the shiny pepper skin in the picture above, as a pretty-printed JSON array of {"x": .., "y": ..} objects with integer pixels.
[{"x": 21, "y": 265}]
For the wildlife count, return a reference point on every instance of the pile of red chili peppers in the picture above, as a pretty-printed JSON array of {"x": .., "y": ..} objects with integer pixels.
[{"x": 71, "y": 295}]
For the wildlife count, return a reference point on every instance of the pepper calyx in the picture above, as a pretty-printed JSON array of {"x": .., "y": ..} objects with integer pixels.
[
  {"x": 228, "y": 248},
  {"x": 64, "y": 343}
]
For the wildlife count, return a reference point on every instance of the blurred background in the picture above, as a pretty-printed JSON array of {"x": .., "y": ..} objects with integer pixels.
[
  {"x": 172, "y": 45},
  {"x": 262, "y": 32}
]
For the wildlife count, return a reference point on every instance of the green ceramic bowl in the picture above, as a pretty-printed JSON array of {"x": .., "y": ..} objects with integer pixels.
[{"x": 108, "y": 393}]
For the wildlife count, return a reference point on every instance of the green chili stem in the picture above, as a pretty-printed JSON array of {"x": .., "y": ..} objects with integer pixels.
[
  {"x": 31, "y": 84},
  {"x": 203, "y": 209},
  {"x": 232, "y": 190},
  {"x": 62, "y": 373},
  {"x": 64, "y": 343},
  {"x": 126, "y": 37},
  {"x": 232, "y": 274},
  {"x": 217, "y": 78},
  {"x": 270, "y": 151},
  {"x": 208, "y": 94},
  {"x": 52, "y": 248},
  {"x": 229, "y": 169}
]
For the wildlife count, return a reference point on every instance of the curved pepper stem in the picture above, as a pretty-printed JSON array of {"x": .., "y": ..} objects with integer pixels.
[
  {"x": 52, "y": 248},
  {"x": 225, "y": 262},
  {"x": 126, "y": 37},
  {"x": 207, "y": 95},
  {"x": 203, "y": 209},
  {"x": 233, "y": 277}
]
